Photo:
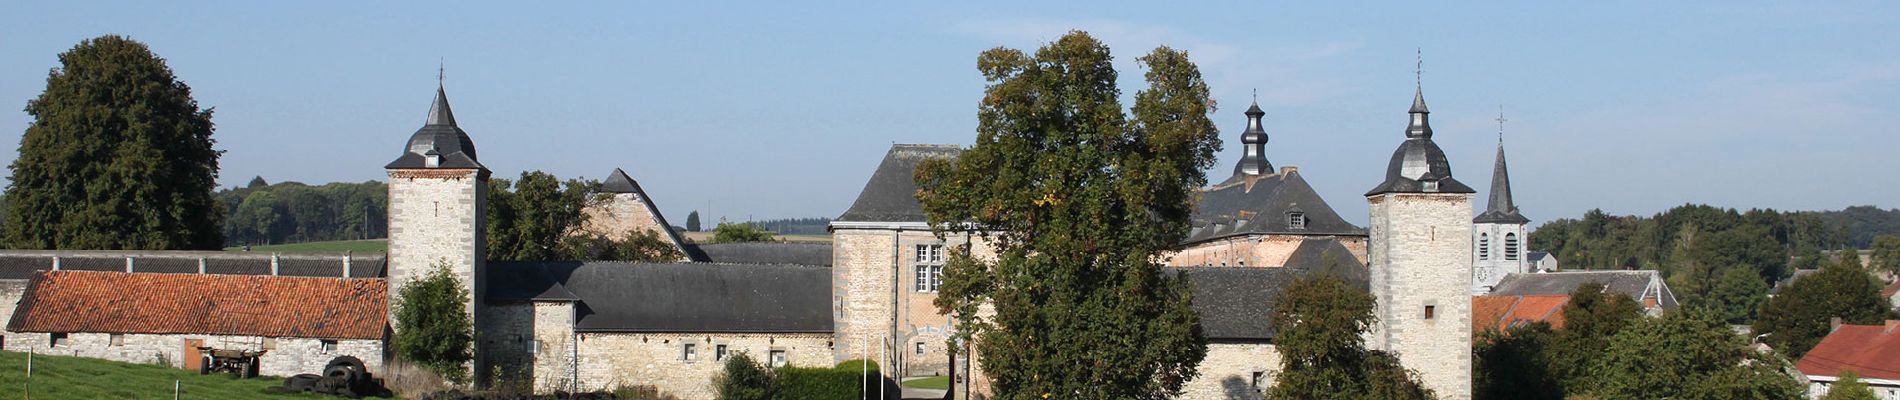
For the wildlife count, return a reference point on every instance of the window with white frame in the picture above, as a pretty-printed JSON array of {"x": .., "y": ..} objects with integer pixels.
[
  {"x": 689, "y": 352},
  {"x": 1484, "y": 246},
  {"x": 777, "y": 358},
  {"x": 920, "y": 348},
  {"x": 929, "y": 267},
  {"x": 1510, "y": 247},
  {"x": 719, "y": 352}
]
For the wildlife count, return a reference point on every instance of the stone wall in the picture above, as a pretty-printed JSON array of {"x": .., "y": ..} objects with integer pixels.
[
  {"x": 609, "y": 360},
  {"x": 1421, "y": 260},
  {"x": 10, "y": 292},
  {"x": 862, "y": 290},
  {"x": 282, "y": 357},
  {"x": 437, "y": 215},
  {"x": 1255, "y": 250},
  {"x": 1230, "y": 369},
  {"x": 531, "y": 344},
  {"x": 620, "y": 215}
]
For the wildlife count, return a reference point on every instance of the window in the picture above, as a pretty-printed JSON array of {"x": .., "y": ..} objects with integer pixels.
[
  {"x": 1259, "y": 381},
  {"x": 689, "y": 352},
  {"x": 920, "y": 348},
  {"x": 1484, "y": 246},
  {"x": 326, "y": 346},
  {"x": 930, "y": 254},
  {"x": 929, "y": 268},
  {"x": 1296, "y": 220},
  {"x": 1510, "y": 246},
  {"x": 777, "y": 358},
  {"x": 719, "y": 352},
  {"x": 534, "y": 346},
  {"x": 1430, "y": 311},
  {"x": 117, "y": 339},
  {"x": 57, "y": 339}
]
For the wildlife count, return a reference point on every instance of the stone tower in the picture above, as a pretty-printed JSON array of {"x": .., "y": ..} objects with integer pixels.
[
  {"x": 1420, "y": 261},
  {"x": 1499, "y": 233},
  {"x": 438, "y": 198}
]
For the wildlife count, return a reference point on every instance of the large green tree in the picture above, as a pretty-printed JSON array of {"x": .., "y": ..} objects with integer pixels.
[
  {"x": 1515, "y": 364},
  {"x": 1849, "y": 387},
  {"x": 1686, "y": 355},
  {"x": 1078, "y": 201},
  {"x": 119, "y": 156},
  {"x": 1591, "y": 317},
  {"x": 1320, "y": 324},
  {"x": 529, "y": 218},
  {"x": 1886, "y": 257},
  {"x": 1797, "y": 318}
]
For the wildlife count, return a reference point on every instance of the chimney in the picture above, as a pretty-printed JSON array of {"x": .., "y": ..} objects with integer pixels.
[{"x": 1833, "y": 324}]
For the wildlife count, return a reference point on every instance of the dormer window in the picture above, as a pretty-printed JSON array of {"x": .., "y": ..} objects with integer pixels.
[{"x": 1296, "y": 220}]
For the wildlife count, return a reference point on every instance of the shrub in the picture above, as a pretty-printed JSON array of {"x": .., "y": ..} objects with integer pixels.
[
  {"x": 845, "y": 381},
  {"x": 745, "y": 379},
  {"x": 433, "y": 328}
]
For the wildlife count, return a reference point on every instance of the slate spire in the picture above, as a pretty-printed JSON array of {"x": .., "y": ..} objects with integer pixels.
[
  {"x": 1254, "y": 142},
  {"x": 439, "y": 113},
  {"x": 1421, "y": 126},
  {"x": 1500, "y": 209}
]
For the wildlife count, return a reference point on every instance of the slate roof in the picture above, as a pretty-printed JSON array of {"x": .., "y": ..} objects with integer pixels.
[
  {"x": 1235, "y": 303},
  {"x": 21, "y": 264},
  {"x": 675, "y": 297},
  {"x": 270, "y": 306},
  {"x": 1237, "y": 207},
  {"x": 1633, "y": 283},
  {"x": 891, "y": 194},
  {"x": 1501, "y": 209},
  {"x": 1419, "y": 160},
  {"x": 790, "y": 253},
  {"x": 441, "y": 136},
  {"x": 1872, "y": 351}
]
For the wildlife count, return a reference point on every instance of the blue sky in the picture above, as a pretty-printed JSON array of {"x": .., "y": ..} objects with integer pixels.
[{"x": 782, "y": 110}]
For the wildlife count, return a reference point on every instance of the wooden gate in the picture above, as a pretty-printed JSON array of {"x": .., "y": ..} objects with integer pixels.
[{"x": 193, "y": 359}]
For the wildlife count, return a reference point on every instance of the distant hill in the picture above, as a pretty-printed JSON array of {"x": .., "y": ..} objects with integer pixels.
[{"x": 1863, "y": 223}]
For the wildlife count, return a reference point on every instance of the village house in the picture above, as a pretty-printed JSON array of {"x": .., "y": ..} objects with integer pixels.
[{"x": 1870, "y": 351}]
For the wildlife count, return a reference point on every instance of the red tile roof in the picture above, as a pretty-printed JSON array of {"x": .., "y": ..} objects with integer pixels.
[
  {"x": 248, "y": 305},
  {"x": 1891, "y": 289},
  {"x": 1505, "y": 312},
  {"x": 1873, "y": 351}
]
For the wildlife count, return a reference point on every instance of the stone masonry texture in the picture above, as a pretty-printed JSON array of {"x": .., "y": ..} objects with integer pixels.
[
  {"x": 434, "y": 220},
  {"x": 1421, "y": 259}
]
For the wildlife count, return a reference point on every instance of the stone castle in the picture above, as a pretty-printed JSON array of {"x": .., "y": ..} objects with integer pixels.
[{"x": 586, "y": 325}]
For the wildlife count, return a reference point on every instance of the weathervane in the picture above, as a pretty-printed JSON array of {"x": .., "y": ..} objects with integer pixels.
[
  {"x": 1418, "y": 71},
  {"x": 441, "y": 72},
  {"x": 1256, "y": 95}
]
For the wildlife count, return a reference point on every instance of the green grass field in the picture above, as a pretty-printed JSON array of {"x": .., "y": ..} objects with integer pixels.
[
  {"x": 360, "y": 246},
  {"x": 61, "y": 378},
  {"x": 935, "y": 382}
]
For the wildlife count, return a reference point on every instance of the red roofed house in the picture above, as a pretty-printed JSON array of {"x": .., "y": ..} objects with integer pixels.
[
  {"x": 1892, "y": 293},
  {"x": 1872, "y": 351},
  {"x": 1506, "y": 312},
  {"x": 301, "y": 322}
]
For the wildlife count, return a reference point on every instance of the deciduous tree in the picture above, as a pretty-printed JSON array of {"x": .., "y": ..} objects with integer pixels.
[
  {"x": 1078, "y": 201},
  {"x": 1797, "y": 318},
  {"x": 118, "y": 156},
  {"x": 1591, "y": 317},
  {"x": 740, "y": 233},
  {"x": 529, "y": 218},
  {"x": 1849, "y": 387},
  {"x": 1686, "y": 355},
  {"x": 1319, "y": 325},
  {"x": 433, "y": 327}
]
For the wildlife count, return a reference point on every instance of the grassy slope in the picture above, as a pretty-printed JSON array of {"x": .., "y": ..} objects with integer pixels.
[
  {"x": 935, "y": 382},
  {"x": 360, "y": 246},
  {"x": 60, "y": 377}
]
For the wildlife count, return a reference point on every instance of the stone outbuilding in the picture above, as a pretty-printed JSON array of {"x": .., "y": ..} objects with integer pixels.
[{"x": 301, "y": 323}]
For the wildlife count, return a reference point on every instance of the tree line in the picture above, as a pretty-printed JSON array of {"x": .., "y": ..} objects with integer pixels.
[{"x": 290, "y": 212}]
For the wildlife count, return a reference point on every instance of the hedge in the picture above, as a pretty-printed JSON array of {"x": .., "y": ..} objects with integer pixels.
[{"x": 842, "y": 382}]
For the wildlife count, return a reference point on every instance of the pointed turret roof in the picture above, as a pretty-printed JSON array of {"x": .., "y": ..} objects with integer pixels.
[
  {"x": 1501, "y": 210},
  {"x": 439, "y": 137},
  {"x": 1253, "y": 159},
  {"x": 619, "y": 182},
  {"x": 1419, "y": 166}
]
